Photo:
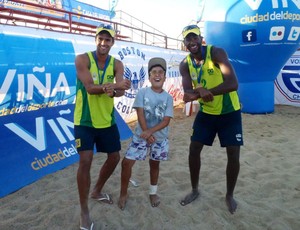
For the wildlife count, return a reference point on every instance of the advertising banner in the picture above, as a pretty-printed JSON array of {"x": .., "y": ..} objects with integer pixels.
[
  {"x": 287, "y": 83},
  {"x": 259, "y": 37},
  {"x": 37, "y": 95},
  {"x": 66, "y": 5},
  {"x": 135, "y": 58}
]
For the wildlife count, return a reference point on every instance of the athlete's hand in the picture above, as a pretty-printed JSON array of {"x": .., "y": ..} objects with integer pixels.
[
  {"x": 205, "y": 94},
  {"x": 188, "y": 97},
  {"x": 109, "y": 89},
  {"x": 123, "y": 85}
]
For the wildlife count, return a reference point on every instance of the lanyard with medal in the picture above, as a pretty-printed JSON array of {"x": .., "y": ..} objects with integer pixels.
[
  {"x": 105, "y": 67},
  {"x": 201, "y": 65},
  {"x": 190, "y": 110}
]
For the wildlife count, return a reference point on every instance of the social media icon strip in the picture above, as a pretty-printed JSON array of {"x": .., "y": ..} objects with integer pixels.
[
  {"x": 277, "y": 33},
  {"x": 294, "y": 33}
]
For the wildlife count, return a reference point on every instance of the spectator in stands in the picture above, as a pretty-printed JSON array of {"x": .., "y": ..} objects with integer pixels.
[
  {"x": 154, "y": 108},
  {"x": 208, "y": 76},
  {"x": 99, "y": 80}
]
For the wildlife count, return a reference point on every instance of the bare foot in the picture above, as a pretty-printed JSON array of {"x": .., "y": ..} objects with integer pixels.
[
  {"x": 231, "y": 204},
  {"x": 154, "y": 200},
  {"x": 190, "y": 197},
  {"x": 122, "y": 202}
]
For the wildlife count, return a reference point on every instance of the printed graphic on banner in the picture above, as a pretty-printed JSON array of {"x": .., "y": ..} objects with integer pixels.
[
  {"x": 287, "y": 83},
  {"x": 35, "y": 80},
  {"x": 136, "y": 72},
  {"x": 70, "y": 6},
  {"x": 277, "y": 33},
  {"x": 87, "y": 10},
  {"x": 173, "y": 82},
  {"x": 249, "y": 36},
  {"x": 137, "y": 79},
  {"x": 294, "y": 33},
  {"x": 43, "y": 141},
  {"x": 37, "y": 86},
  {"x": 37, "y": 94},
  {"x": 57, "y": 4},
  {"x": 38, "y": 143},
  {"x": 260, "y": 37},
  {"x": 135, "y": 59}
]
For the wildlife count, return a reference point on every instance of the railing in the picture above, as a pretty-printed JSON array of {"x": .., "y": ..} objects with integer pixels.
[
  {"x": 61, "y": 21},
  {"x": 146, "y": 34}
]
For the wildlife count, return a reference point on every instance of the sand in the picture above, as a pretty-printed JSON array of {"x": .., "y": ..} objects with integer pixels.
[{"x": 267, "y": 191}]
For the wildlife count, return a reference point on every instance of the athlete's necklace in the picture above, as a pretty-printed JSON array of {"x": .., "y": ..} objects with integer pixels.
[{"x": 199, "y": 64}]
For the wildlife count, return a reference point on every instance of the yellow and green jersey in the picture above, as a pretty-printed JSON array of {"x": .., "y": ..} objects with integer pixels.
[
  {"x": 209, "y": 76},
  {"x": 95, "y": 110}
]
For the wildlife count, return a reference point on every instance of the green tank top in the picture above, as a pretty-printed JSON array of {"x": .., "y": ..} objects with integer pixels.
[
  {"x": 95, "y": 110},
  {"x": 211, "y": 76}
]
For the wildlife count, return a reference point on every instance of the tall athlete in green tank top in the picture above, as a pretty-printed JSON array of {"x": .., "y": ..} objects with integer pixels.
[
  {"x": 99, "y": 80},
  {"x": 208, "y": 76}
]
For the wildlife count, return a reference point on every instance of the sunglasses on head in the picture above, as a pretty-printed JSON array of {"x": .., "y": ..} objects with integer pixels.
[
  {"x": 190, "y": 27},
  {"x": 105, "y": 26}
]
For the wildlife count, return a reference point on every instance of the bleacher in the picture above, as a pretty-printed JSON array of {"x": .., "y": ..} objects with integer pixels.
[{"x": 38, "y": 16}]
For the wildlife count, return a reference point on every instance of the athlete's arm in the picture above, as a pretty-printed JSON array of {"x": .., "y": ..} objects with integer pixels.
[
  {"x": 230, "y": 83},
  {"x": 189, "y": 92},
  {"x": 82, "y": 63},
  {"x": 121, "y": 84}
]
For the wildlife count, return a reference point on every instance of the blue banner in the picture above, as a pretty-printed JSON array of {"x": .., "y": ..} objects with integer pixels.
[
  {"x": 34, "y": 75},
  {"x": 259, "y": 37},
  {"x": 35, "y": 144},
  {"x": 37, "y": 95},
  {"x": 38, "y": 143},
  {"x": 79, "y": 8}
]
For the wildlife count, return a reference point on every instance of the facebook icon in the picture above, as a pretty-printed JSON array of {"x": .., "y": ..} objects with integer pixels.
[{"x": 249, "y": 35}]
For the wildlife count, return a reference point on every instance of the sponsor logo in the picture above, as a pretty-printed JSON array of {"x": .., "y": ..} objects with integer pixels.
[
  {"x": 94, "y": 76},
  {"x": 291, "y": 81},
  {"x": 255, "y": 4},
  {"x": 210, "y": 71},
  {"x": 136, "y": 73},
  {"x": 38, "y": 137},
  {"x": 110, "y": 77},
  {"x": 294, "y": 33},
  {"x": 43, "y": 89},
  {"x": 53, "y": 158},
  {"x": 249, "y": 36},
  {"x": 137, "y": 79},
  {"x": 288, "y": 83},
  {"x": 238, "y": 137},
  {"x": 78, "y": 143},
  {"x": 277, "y": 33}
]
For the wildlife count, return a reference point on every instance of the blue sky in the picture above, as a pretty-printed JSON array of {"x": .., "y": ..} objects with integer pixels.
[{"x": 167, "y": 16}]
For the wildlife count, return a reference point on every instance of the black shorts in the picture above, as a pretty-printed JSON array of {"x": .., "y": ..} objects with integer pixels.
[
  {"x": 227, "y": 126},
  {"x": 107, "y": 140}
]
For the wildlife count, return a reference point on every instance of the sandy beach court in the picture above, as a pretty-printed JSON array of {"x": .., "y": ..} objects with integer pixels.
[{"x": 267, "y": 190}]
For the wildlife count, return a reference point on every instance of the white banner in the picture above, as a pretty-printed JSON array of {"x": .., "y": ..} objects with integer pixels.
[
  {"x": 287, "y": 83},
  {"x": 135, "y": 58}
]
